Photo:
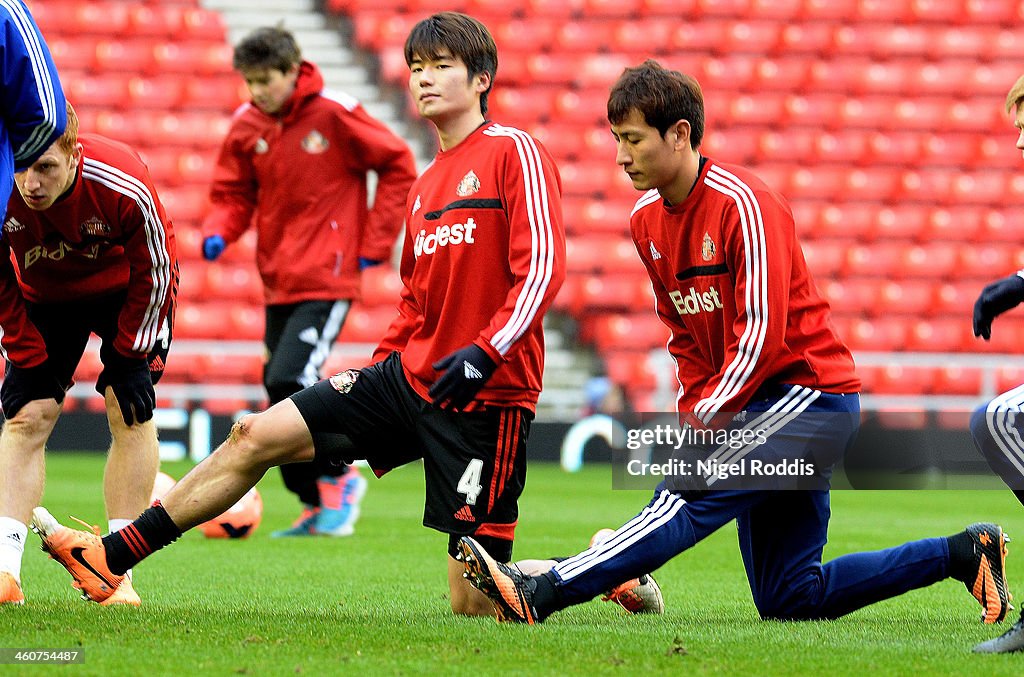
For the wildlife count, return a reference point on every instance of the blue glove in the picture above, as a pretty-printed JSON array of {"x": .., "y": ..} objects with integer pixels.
[
  {"x": 365, "y": 263},
  {"x": 995, "y": 299},
  {"x": 132, "y": 384},
  {"x": 25, "y": 384},
  {"x": 465, "y": 373},
  {"x": 213, "y": 247}
]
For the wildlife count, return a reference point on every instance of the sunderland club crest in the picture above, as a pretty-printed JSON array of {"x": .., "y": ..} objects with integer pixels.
[
  {"x": 707, "y": 248},
  {"x": 469, "y": 184}
]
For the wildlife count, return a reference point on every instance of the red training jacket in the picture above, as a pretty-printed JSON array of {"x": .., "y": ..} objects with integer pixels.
[
  {"x": 299, "y": 176},
  {"x": 108, "y": 233},
  {"x": 484, "y": 256},
  {"x": 731, "y": 283}
]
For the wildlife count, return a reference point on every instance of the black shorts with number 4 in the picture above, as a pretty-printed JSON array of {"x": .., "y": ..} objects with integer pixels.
[{"x": 474, "y": 462}]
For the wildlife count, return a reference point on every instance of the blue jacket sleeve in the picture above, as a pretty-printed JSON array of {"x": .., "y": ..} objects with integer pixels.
[{"x": 33, "y": 106}]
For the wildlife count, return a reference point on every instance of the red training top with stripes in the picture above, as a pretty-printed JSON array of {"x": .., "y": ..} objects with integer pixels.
[
  {"x": 108, "y": 233},
  {"x": 731, "y": 283},
  {"x": 483, "y": 257},
  {"x": 299, "y": 178}
]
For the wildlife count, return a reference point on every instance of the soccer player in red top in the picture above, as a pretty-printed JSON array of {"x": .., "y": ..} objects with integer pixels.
[
  {"x": 87, "y": 249},
  {"x": 294, "y": 167},
  {"x": 757, "y": 359},
  {"x": 458, "y": 373}
]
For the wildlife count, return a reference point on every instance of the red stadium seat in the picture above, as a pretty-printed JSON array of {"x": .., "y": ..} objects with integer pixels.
[
  {"x": 782, "y": 74},
  {"x": 204, "y": 321},
  {"x": 590, "y": 254},
  {"x": 901, "y": 222},
  {"x": 952, "y": 224},
  {"x": 233, "y": 282},
  {"x": 622, "y": 292},
  {"x": 245, "y": 323},
  {"x": 825, "y": 258},
  {"x": 939, "y": 11},
  {"x": 367, "y": 325},
  {"x": 990, "y": 12},
  {"x": 221, "y": 94},
  {"x": 1008, "y": 378},
  {"x": 896, "y": 379},
  {"x": 655, "y": 34},
  {"x": 823, "y": 111},
  {"x": 841, "y": 147},
  {"x": 934, "y": 260},
  {"x": 956, "y": 299},
  {"x": 628, "y": 332},
  {"x": 586, "y": 36},
  {"x": 854, "y": 295},
  {"x": 894, "y": 148},
  {"x": 675, "y": 9},
  {"x": 905, "y": 297},
  {"x": 998, "y": 225},
  {"x": 854, "y": 220},
  {"x": 194, "y": 58},
  {"x": 806, "y": 38},
  {"x": 156, "y": 21},
  {"x": 103, "y": 91},
  {"x": 203, "y": 24},
  {"x": 532, "y": 35},
  {"x": 73, "y": 53},
  {"x": 382, "y": 286},
  {"x": 632, "y": 367},
  {"x": 938, "y": 335},
  {"x": 879, "y": 334},
  {"x": 957, "y": 380},
  {"x": 186, "y": 205},
  {"x": 761, "y": 110},
  {"x": 752, "y": 37},
  {"x": 882, "y": 11},
  {"x": 725, "y": 8},
  {"x": 704, "y": 37},
  {"x": 984, "y": 261}
]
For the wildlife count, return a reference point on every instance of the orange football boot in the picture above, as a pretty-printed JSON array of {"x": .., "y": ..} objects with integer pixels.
[{"x": 80, "y": 552}]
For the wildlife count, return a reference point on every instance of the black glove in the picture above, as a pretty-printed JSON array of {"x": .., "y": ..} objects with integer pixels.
[
  {"x": 132, "y": 384},
  {"x": 25, "y": 384},
  {"x": 466, "y": 372},
  {"x": 996, "y": 299}
]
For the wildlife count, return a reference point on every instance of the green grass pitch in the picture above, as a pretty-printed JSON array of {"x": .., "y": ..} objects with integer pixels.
[{"x": 376, "y": 603}]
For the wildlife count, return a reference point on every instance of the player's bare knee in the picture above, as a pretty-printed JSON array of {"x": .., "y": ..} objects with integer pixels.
[
  {"x": 34, "y": 419},
  {"x": 244, "y": 443}
]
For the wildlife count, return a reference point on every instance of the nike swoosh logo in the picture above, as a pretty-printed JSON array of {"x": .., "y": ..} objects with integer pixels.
[{"x": 76, "y": 553}]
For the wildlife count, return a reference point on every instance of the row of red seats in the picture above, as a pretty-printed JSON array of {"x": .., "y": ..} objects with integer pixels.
[
  {"x": 196, "y": 129},
  {"x": 164, "y": 20},
  {"x": 611, "y": 331},
  {"x": 238, "y": 321},
  {"x": 377, "y": 29},
  {"x": 958, "y": 13},
  {"x": 129, "y": 92},
  {"x": 142, "y": 55},
  {"x": 939, "y": 186},
  {"x": 870, "y": 115},
  {"x": 641, "y": 373}
]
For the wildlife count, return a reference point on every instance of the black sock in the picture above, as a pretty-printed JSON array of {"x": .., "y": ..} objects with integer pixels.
[
  {"x": 1019, "y": 493},
  {"x": 546, "y": 597},
  {"x": 126, "y": 547},
  {"x": 961, "y": 556}
]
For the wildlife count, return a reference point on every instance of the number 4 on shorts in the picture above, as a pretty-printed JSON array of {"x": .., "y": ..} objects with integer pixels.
[{"x": 469, "y": 483}]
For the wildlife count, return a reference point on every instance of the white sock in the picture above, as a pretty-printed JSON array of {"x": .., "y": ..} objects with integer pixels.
[
  {"x": 12, "y": 545},
  {"x": 117, "y": 525}
]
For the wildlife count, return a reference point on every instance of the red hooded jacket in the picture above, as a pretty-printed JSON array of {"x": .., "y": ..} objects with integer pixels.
[{"x": 299, "y": 176}]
